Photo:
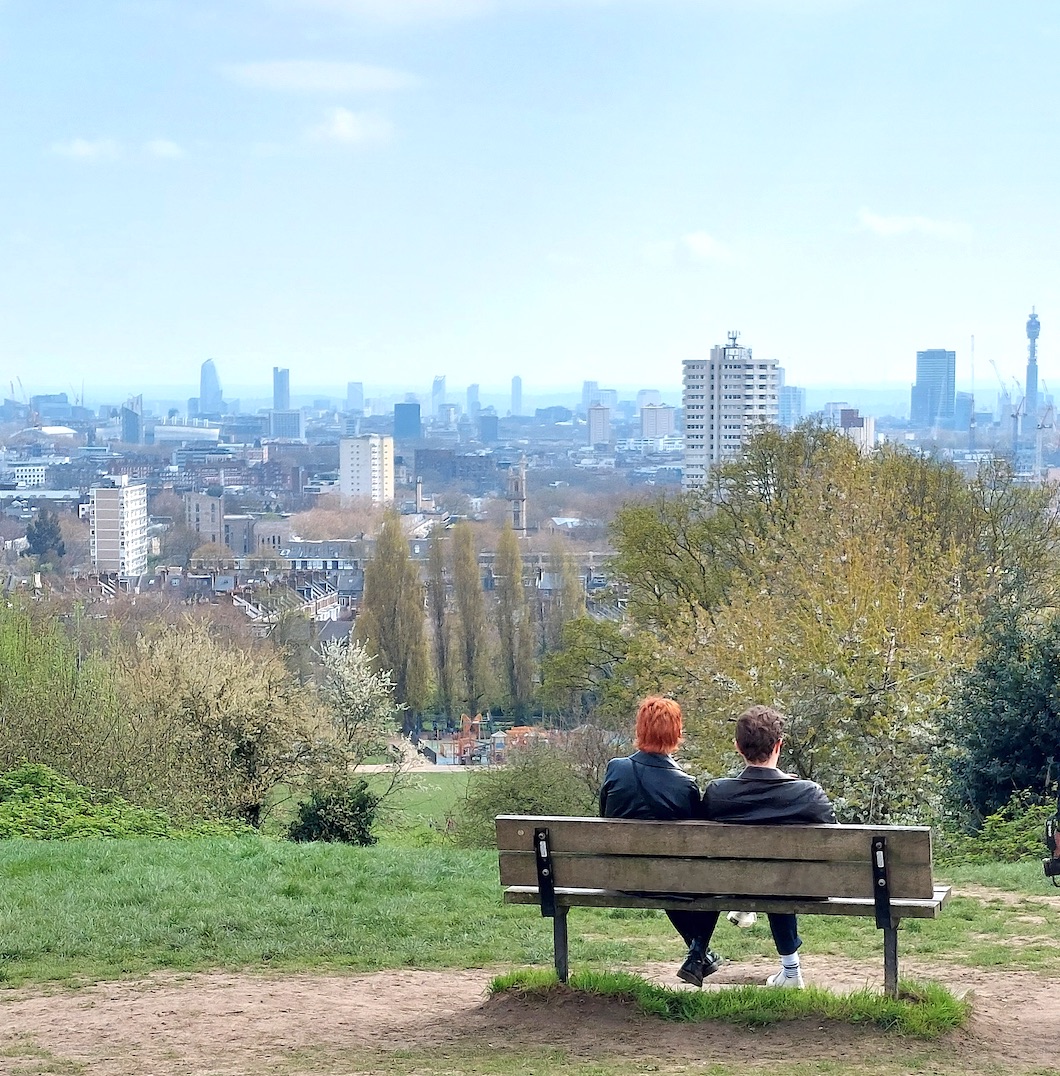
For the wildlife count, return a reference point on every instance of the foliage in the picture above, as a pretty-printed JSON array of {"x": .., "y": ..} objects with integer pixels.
[
  {"x": 537, "y": 779},
  {"x": 1003, "y": 727},
  {"x": 441, "y": 628},
  {"x": 926, "y": 1011},
  {"x": 566, "y": 602},
  {"x": 515, "y": 630},
  {"x": 1015, "y": 832},
  {"x": 38, "y": 803},
  {"x": 337, "y": 812},
  {"x": 44, "y": 536},
  {"x": 391, "y": 621},
  {"x": 471, "y": 640}
]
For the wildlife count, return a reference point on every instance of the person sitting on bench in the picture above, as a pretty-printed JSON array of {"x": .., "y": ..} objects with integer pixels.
[
  {"x": 764, "y": 794},
  {"x": 649, "y": 784}
]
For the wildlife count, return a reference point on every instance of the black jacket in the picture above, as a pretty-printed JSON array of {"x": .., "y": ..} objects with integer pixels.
[
  {"x": 761, "y": 794},
  {"x": 646, "y": 785}
]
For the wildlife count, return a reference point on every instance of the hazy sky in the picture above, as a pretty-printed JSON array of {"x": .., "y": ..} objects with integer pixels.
[{"x": 383, "y": 190}]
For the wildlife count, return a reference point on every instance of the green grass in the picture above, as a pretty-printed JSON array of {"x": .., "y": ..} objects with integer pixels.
[
  {"x": 925, "y": 1011},
  {"x": 418, "y": 812},
  {"x": 99, "y": 909}
]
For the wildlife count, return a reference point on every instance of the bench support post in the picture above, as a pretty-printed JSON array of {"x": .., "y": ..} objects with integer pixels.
[
  {"x": 559, "y": 942},
  {"x": 890, "y": 958}
]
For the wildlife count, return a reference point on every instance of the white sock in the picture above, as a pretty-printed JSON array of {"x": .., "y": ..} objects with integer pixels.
[{"x": 790, "y": 964}]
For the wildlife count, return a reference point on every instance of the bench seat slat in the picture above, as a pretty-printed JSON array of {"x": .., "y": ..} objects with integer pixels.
[
  {"x": 622, "y": 836},
  {"x": 717, "y": 876},
  {"x": 606, "y": 898}
]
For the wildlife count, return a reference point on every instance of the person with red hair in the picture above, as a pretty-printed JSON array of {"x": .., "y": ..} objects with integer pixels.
[{"x": 649, "y": 784}]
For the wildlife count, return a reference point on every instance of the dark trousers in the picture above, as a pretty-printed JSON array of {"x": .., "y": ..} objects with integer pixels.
[{"x": 690, "y": 925}]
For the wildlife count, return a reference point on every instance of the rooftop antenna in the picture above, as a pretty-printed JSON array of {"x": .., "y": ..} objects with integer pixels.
[{"x": 733, "y": 337}]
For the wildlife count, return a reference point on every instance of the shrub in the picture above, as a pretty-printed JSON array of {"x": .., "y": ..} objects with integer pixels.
[
  {"x": 538, "y": 779},
  {"x": 1015, "y": 832},
  {"x": 337, "y": 812}
]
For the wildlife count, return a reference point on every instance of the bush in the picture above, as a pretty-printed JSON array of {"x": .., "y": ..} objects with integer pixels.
[
  {"x": 40, "y": 804},
  {"x": 1015, "y": 832},
  {"x": 337, "y": 812},
  {"x": 538, "y": 779}
]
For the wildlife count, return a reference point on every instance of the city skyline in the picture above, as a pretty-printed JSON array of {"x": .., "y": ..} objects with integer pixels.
[{"x": 343, "y": 187}]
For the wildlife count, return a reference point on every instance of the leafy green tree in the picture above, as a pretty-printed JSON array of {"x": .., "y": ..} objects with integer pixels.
[
  {"x": 471, "y": 639},
  {"x": 515, "y": 628},
  {"x": 44, "y": 536},
  {"x": 566, "y": 602},
  {"x": 391, "y": 621},
  {"x": 441, "y": 627}
]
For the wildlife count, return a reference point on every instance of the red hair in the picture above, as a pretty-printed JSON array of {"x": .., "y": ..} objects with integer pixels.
[{"x": 658, "y": 728}]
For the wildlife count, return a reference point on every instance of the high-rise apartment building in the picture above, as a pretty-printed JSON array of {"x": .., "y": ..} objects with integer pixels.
[
  {"x": 210, "y": 402},
  {"x": 599, "y": 425},
  {"x": 726, "y": 400},
  {"x": 118, "y": 527},
  {"x": 517, "y": 395},
  {"x": 287, "y": 425},
  {"x": 366, "y": 467},
  {"x": 934, "y": 395},
  {"x": 281, "y": 389},
  {"x": 657, "y": 420}
]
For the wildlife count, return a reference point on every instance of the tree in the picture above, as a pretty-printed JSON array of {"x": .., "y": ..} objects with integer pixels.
[
  {"x": 471, "y": 618},
  {"x": 515, "y": 629},
  {"x": 566, "y": 602},
  {"x": 441, "y": 628},
  {"x": 44, "y": 536},
  {"x": 391, "y": 621}
]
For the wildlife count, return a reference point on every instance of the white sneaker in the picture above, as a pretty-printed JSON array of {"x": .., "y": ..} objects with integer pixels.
[
  {"x": 786, "y": 980},
  {"x": 743, "y": 920}
]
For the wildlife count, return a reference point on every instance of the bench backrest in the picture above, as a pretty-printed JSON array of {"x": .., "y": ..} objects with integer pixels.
[{"x": 716, "y": 858}]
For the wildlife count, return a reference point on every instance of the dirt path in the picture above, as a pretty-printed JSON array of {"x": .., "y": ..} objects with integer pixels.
[{"x": 232, "y": 1024}]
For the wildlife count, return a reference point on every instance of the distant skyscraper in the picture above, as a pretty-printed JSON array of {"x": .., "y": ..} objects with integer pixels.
[
  {"x": 407, "y": 423},
  {"x": 472, "y": 400},
  {"x": 933, "y": 396},
  {"x": 792, "y": 401},
  {"x": 648, "y": 396},
  {"x": 437, "y": 395},
  {"x": 288, "y": 425},
  {"x": 132, "y": 421},
  {"x": 210, "y": 402},
  {"x": 727, "y": 399},
  {"x": 517, "y": 395},
  {"x": 281, "y": 389},
  {"x": 599, "y": 425},
  {"x": 366, "y": 467},
  {"x": 1031, "y": 409},
  {"x": 657, "y": 420},
  {"x": 355, "y": 396},
  {"x": 590, "y": 395}
]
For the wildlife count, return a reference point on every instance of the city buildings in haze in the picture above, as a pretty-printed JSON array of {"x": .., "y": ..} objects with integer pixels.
[
  {"x": 437, "y": 396},
  {"x": 366, "y": 467},
  {"x": 355, "y": 397},
  {"x": 210, "y": 402},
  {"x": 933, "y": 396},
  {"x": 408, "y": 425},
  {"x": 599, "y": 419},
  {"x": 281, "y": 389},
  {"x": 517, "y": 395},
  {"x": 657, "y": 420}
]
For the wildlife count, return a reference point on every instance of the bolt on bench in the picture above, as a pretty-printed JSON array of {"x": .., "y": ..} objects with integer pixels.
[{"x": 882, "y": 872}]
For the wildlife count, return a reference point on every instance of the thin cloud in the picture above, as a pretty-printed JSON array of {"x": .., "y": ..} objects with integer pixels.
[
  {"x": 692, "y": 249},
  {"x": 888, "y": 227},
  {"x": 87, "y": 149},
  {"x": 403, "y": 11},
  {"x": 343, "y": 127},
  {"x": 319, "y": 76},
  {"x": 164, "y": 149}
]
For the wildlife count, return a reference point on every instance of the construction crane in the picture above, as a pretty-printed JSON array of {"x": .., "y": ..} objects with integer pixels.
[
  {"x": 1016, "y": 412},
  {"x": 1046, "y": 422}
]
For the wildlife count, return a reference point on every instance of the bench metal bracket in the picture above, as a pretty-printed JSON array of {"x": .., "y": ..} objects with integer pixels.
[
  {"x": 881, "y": 888},
  {"x": 546, "y": 884}
]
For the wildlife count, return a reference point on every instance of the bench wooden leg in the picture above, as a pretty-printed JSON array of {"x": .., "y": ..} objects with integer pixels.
[
  {"x": 559, "y": 942},
  {"x": 890, "y": 958}
]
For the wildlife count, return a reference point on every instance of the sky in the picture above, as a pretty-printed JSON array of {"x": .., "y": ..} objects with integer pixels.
[{"x": 386, "y": 190}]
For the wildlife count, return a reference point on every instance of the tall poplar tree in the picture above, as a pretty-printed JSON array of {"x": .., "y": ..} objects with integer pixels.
[
  {"x": 471, "y": 637},
  {"x": 391, "y": 620},
  {"x": 515, "y": 629},
  {"x": 441, "y": 626}
]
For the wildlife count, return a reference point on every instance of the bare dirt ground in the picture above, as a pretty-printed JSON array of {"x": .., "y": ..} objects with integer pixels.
[{"x": 233, "y": 1024}]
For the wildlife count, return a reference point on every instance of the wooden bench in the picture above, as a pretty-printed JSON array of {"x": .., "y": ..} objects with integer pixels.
[{"x": 883, "y": 872}]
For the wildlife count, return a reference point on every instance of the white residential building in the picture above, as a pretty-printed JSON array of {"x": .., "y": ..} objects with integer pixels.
[
  {"x": 118, "y": 517},
  {"x": 366, "y": 467},
  {"x": 727, "y": 399},
  {"x": 599, "y": 418}
]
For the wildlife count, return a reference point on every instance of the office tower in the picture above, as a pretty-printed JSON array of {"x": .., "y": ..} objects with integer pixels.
[
  {"x": 366, "y": 467},
  {"x": 281, "y": 389},
  {"x": 933, "y": 396},
  {"x": 517, "y": 395},
  {"x": 963, "y": 409},
  {"x": 355, "y": 396},
  {"x": 288, "y": 425},
  {"x": 726, "y": 400},
  {"x": 407, "y": 424},
  {"x": 472, "y": 400},
  {"x": 607, "y": 398},
  {"x": 792, "y": 402},
  {"x": 861, "y": 429},
  {"x": 210, "y": 402},
  {"x": 1031, "y": 409},
  {"x": 118, "y": 527},
  {"x": 132, "y": 421},
  {"x": 599, "y": 425},
  {"x": 648, "y": 396},
  {"x": 657, "y": 420},
  {"x": 590, "y": 395},
  {"x": 437, "y": 396},
  {"x": 488, "y": 428}
]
